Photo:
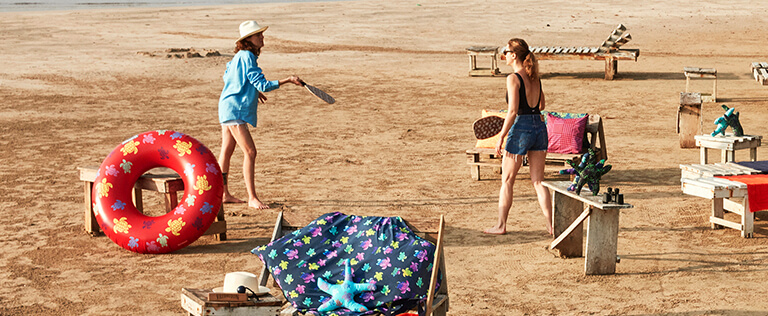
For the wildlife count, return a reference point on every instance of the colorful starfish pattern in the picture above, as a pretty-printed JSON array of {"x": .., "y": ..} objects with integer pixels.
[{"x": 387, "y": 264}]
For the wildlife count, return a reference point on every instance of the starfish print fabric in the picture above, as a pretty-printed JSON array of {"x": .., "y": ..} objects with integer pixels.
[{"x": 382, "y": 251}]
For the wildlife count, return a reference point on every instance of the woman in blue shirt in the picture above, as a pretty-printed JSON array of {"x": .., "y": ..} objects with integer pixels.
[{"x": 243, "y": 86}]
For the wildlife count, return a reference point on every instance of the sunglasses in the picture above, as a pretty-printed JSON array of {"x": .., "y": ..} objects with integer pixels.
[{"x": 504, "y": 53}]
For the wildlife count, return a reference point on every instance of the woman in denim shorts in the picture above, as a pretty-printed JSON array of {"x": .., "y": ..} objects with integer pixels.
[
  {"x": 243, "y": 86},
  {"x": 524, "y": 132}
]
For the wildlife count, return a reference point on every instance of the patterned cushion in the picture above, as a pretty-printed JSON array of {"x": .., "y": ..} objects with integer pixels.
[
  {"x": 566, "y": 135},
  {"x": 490, "y": 142},
  {"x": 382, "y": 250}
]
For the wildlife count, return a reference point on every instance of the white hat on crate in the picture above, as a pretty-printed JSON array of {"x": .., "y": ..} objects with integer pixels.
[
  {"x": 233, "y": 280},
  {"x": 249, "y": 28}
]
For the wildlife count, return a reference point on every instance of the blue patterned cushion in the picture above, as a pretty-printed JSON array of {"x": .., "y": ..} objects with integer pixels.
[{"x": 382, "y": 250}]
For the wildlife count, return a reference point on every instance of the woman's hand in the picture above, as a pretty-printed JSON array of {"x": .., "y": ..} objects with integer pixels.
[
  {"x": 293, "y": 79},
  {"x": 499, "y": 145},
  {"x": 262, "y": 97}
]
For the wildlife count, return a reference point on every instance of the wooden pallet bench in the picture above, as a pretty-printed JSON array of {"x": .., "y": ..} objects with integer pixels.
[
  {"x": 488, "y": 51},
  {"x": 163, "y": 180},
  {"x": 726, "y": 195},
  {"x": 760, "y": 72}
]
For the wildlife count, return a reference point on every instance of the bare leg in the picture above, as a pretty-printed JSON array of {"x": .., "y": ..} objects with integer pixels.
[
  {"x": 510, "y": 165},
  {"x": 228, "y": 144},
  {"x": 243, "y": 138},
  {"x": 536, "y": 160}
]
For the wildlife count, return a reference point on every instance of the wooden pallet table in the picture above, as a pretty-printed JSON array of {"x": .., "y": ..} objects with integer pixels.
[
  {"x": 726, "y": 195},
  {"x": 569, "y": 210},
  {"x": 487, "y": 51},
  {"x": 696, "y": 72},
  {"x": 611, "y": 58},
  {"x": 760, "y": 72},
  {"x": 728, "y": 145},
  {"x": 163, "y": 180},
  {"x": 195, "y": 302}
]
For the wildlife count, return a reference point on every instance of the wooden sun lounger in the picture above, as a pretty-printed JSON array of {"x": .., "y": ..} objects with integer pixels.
[
  {"x": 429, "y": 229},
  {"x": 608, "y": 51}
]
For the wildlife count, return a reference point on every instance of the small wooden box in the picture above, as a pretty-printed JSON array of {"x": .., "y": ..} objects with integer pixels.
[{"x": 195, "y": 302}]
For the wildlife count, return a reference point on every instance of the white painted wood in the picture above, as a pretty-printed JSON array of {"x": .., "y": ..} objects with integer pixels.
[{"x": 726, "y": 223}]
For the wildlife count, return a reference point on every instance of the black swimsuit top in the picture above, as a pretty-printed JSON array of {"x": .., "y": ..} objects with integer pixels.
[{"x": 523, "y": 108}]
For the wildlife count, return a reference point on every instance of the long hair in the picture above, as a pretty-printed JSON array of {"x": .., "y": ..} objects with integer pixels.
[
  {"x": 530, "y": 64},
  {"x": 245, "y": 44}
]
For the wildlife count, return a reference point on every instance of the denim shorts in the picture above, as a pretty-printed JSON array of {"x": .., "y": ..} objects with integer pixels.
[
  {"x": 233, "y": 122},
  {"x": 527, "y": 133}
]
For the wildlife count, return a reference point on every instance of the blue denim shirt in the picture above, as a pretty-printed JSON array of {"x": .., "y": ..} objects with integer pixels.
[{"x": 239, "y": 99}]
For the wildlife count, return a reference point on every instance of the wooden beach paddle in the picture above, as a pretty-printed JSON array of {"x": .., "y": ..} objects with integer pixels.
[
  {"x": 318, "y": 93},
  {"x": 488, "y": 126}
]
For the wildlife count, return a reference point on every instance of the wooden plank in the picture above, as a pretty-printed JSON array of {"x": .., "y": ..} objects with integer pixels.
[
  {"x": 733, "y": 207},
  {"x": 602, "y": 241},
  {"x": 723, "y": 222},
  {"x": 717, "y": 212},
  {"x": 574, "y": 226},
  {"x": 585, "y": 196},
  {"x": 746, "y": 169}
]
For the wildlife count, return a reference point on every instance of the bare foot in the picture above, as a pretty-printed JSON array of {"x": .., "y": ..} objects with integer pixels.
[
  {"x": 255, "y": 203},
  {"x": 495, "y": 231},
  {"x": 228, "y": 198}
]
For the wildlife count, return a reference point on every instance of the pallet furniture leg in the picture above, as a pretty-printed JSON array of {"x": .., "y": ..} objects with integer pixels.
[
  {"x": 474, "y": 169},
  {"x": 601, "y": 242},
  {"x": 714, "y": 90},
  {"x": 703, "y": 155},
  {"x": 753, "y": 154},
  {"x": 91, "y": 226},
  {"x": 171, "y": 200},
  {"x": 137, "y": 199},
  {"x": 611, "y": 67},
  {"x": 565, "y": 211},
  {"x": 717, "y": 211},
  {"x": 747, "y": 220},
  {"x": 220, "y": 218}
]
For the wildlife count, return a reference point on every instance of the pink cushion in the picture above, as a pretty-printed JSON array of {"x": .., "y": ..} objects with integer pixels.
[{"x": 565, "y": 135}]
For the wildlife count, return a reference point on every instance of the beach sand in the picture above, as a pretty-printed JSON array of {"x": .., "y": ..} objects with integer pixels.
[{"x": 75, "y": 84}]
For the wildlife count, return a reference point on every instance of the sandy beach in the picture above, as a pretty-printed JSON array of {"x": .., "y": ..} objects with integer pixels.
[{"x": 75, "y": 84}]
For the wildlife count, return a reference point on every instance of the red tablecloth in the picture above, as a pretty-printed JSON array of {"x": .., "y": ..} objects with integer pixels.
[{"x": 757, "y": 188}]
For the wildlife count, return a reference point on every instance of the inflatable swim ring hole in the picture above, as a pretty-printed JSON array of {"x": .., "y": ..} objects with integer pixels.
[{"x": 159, "y": 202}]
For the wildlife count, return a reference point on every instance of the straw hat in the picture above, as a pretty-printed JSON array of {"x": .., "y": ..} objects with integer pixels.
[
  {"x": 249, "y": 28},
  {"x": 235, "y": 279}
]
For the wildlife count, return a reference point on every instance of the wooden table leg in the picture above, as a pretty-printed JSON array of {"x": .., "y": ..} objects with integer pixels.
[
  {"x": 474, "y": 169},
  {"x": 602, "y": 240},
  {"x": 753, "y": 154},
  {"x": 703, "y": 155},
  {"x": 747, "y": 219},
  {"x": 220, "y": 218},
  {"x": 564, "y": 211},
  {"x": 90, "y": 224},
  {"x": 717, "y": 212},
  {"x": 611, "y": 67}
]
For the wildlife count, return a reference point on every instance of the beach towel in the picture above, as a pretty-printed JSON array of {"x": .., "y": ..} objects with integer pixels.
[
  {"x": 757, "y": 189},
  {"x": 382, "y": 251},
  {"x": 762, "y": 166}
]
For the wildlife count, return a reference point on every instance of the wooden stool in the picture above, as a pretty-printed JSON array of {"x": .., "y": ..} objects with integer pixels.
[
  {"x": 195, "y": 302},
  {"x": 728, "y": 144},
  {"x": 690, "y": 120},
  {"x": 161, "y": 180},
  {"x": 490, "y": 51},
  {"x": 697, "y": 72},
  {"x": 726, "y": 195}
]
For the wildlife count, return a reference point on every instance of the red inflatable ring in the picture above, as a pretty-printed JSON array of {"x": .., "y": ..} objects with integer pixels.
[{"x": 132, "y": 230}]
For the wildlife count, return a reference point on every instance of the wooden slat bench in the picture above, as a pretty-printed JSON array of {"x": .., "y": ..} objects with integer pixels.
[
  {"x": 163, "y": 180},
  {"x": 569, "y": 210},
  {"x": 609, "y": 51},
  {"x": 731, "y": 196},
  {"x": 594, "y": 134},
  {"x": 430, "y": 229}
]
